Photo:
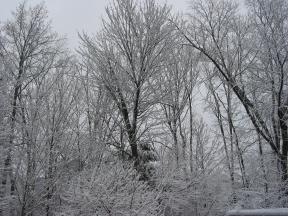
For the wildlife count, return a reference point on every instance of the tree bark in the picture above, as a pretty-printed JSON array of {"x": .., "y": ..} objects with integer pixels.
[{"x": 282, "y": 112}]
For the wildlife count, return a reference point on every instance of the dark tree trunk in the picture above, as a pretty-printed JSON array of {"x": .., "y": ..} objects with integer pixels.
[
  {"x": 282, "y": 113},
  {"x": 284, "y": 133},
  {"x": 7, "y": 171}
]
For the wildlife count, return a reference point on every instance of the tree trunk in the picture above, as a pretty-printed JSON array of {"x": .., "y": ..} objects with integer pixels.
[
  {"x": 262, "y": 163},
  {"x": 7, "y": 171},
  {"x": 175, "y": 140},
  {"x": 49, "y": 177},
  {"x": 191, "y": 134},
  {"x": 282, "y": 113}
]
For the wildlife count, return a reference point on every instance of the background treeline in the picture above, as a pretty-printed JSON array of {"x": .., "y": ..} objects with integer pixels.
[{"x": 155, "y": 114}]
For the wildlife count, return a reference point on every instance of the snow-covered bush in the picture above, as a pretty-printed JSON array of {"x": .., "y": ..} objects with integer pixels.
[{"x": 111, "y": 189}]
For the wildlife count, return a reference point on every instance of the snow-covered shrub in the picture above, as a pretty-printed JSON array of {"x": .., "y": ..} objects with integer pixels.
[
  {"x": 111, "y": 189},
  {"x": 192, "y": 195}
]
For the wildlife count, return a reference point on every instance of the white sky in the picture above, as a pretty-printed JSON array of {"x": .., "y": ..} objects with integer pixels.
[{"x": 72, "y": 16}]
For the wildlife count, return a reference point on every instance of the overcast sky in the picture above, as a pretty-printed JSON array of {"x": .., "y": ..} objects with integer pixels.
[{"x": 70, "y": 16}]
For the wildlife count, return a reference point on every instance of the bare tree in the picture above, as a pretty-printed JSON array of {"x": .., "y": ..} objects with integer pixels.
[
  {"x": 30, "y": 50},
  {"x": 222, "y": 37},
  {"x": 127, "y": 56},
  {"x": 270, "y": 21},
  {"x": 177, "y": 84}
]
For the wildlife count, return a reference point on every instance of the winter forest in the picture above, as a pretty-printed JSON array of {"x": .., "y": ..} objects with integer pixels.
[{"x": 156, "y": 113}]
